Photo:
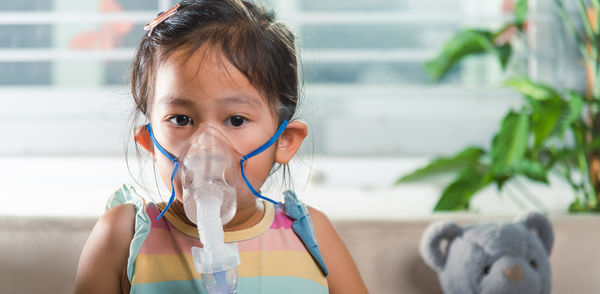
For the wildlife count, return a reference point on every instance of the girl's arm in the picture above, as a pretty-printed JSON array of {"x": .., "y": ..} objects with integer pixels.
[
  {"x": 103, "y": 261},
  {"x": 343, "y": 274}
]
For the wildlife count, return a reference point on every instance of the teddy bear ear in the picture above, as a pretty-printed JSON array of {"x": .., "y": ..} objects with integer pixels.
[
  {"x": 540, "y": 225},
  {"x": 430, "y": 247}
]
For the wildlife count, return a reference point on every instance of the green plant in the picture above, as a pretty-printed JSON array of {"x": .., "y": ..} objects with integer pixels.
[{"x": 554, "y": 130}]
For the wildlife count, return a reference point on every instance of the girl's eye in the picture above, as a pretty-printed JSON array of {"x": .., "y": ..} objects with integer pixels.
[
  {"x": 181, "y": 120},
  {"x": 236, "y": 120}
]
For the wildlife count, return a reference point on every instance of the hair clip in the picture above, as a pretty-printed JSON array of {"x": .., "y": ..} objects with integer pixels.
[{"x": 160, "y": 18}]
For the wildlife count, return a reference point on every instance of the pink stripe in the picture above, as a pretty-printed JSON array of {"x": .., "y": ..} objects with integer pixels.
[
  {"x": 164, "y": 241},
  {"x": 161, "y": 241},
  {"x": 281, "y": 221},
  {"x": 153, "y": 212}
]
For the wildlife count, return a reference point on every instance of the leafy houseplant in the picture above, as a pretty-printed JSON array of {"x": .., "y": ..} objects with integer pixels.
[{"x": 554, "y": 130}]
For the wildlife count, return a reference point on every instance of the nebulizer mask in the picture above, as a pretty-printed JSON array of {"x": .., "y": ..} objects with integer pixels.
[{"x": 211, "y": 169}]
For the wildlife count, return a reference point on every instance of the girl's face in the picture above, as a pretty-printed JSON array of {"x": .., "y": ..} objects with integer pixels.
[{"x": 207, "y": 90}]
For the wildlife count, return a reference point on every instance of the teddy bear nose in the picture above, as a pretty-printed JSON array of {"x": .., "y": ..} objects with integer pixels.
[{"x": 513, "y": 273}]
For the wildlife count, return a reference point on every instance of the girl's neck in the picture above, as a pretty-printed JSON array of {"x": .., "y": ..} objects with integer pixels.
[{"x": 245, "y": 217}]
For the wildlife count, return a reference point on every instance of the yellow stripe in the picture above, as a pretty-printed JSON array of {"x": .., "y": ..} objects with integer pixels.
[
  {"x": 160, "y": 267},
  {"x": 236, "y": 236}
]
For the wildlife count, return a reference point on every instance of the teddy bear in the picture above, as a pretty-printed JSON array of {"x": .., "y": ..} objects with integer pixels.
[{"x": 491, "y": 258}]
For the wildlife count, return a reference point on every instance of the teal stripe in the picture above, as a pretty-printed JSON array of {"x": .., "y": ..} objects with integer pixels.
[
  {"x": 251, "y": 285},
  {"x": 170, "y": 287},
  {"x": 278, "y": 285}
]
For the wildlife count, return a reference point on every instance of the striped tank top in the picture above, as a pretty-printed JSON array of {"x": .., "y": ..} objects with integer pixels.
[{"x": 273, "y": 257}]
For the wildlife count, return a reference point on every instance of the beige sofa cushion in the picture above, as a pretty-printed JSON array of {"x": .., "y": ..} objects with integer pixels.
[
  {"x": 387, "y": 254},
  {"x": 39, "y": 255}
]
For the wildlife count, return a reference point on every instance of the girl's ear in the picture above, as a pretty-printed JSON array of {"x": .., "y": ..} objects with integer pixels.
[
  {"x": 142, "y": 137},
  {"x": 290, "y": 140}
]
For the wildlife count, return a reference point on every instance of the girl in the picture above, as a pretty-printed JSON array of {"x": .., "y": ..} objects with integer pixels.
[{"x": 217, "y": 82}]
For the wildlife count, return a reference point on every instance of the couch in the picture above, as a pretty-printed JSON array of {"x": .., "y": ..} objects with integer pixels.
[{"x": 40, "y": 254}]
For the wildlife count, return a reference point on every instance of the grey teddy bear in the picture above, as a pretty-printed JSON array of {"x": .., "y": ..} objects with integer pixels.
[{"x": 491, "y": 258}]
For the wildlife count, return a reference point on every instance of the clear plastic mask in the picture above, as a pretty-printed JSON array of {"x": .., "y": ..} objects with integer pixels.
[
  {"x": 234, "y": 174},
  {"x": 210, "y": 167}
]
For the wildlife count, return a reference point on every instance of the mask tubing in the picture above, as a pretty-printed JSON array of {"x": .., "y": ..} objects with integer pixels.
[
  {"x": 172, "y": 191},
  {"x": 256, "y": 152},
  {"x": 270, "y": 142},
  {"x": 160, "y": 148},
  {"x": 250, "y": 185},
  {"x": 173, "y": 160}
]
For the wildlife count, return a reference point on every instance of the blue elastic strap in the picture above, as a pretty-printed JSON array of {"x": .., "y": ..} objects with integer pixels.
[
  {"x": 173, "y": 160},
  {"x": 257, "y": 151}
]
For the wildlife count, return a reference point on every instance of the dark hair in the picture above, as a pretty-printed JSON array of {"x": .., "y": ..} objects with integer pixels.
[{"x": 246, "y": 34}]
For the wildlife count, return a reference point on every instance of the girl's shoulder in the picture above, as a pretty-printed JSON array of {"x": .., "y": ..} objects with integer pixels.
[
  {"x": 130, "y": 208},
  {"x": 122, "y": 216},
  {"x": 117, "y": 225},
  {"x": 104, "y": 258},
  {"x": 343, "y": 275}
]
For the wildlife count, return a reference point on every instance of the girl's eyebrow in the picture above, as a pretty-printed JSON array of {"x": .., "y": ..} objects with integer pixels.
[
  {"x": 186, "y": 103},
  {"x": 177, "y": 101},
  {"x": 240, "y": 99}
]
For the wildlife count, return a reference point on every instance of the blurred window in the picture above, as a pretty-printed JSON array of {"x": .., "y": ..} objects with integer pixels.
[{"x": 64, "y": 67}]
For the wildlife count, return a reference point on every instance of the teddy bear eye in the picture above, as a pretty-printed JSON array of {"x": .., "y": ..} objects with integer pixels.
[
  {"x": 486, "y": 270},
  {"x": 533, "y": 263}
]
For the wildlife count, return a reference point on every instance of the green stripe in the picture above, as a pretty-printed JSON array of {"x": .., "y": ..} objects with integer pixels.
[
  {"x": 126, "y": 195},
  {"x": 251, "y": 285}
]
